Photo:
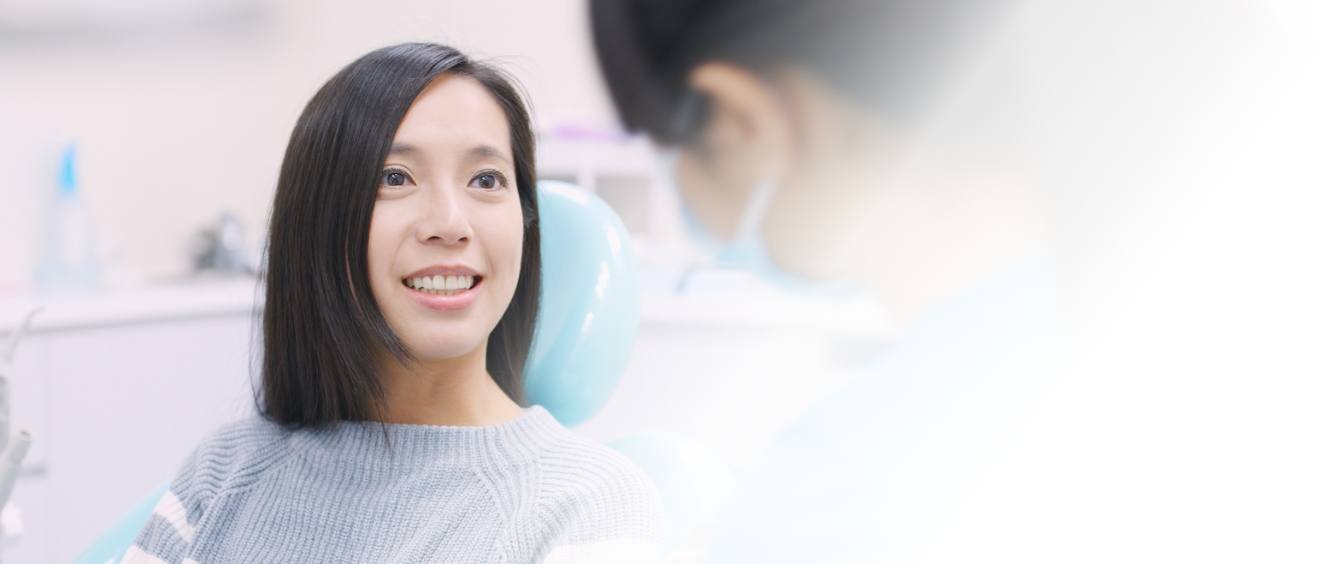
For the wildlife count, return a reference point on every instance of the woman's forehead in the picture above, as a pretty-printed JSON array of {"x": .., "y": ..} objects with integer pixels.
[{"x": 455, "y": 115}]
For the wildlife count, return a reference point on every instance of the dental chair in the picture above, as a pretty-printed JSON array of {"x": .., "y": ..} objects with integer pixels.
[{"x": 585, "y": 329}]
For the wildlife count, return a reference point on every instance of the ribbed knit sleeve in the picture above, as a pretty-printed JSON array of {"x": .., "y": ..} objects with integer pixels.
[{"x": 232, "y": 457}]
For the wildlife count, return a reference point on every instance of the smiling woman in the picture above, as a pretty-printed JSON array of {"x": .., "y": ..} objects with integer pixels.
[
  {"x": 402, "y": 287},
  {"x": 385, "y": 174}
]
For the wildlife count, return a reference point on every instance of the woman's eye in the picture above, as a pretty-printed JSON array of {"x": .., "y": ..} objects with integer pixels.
[
  {"x": 488, "y": 181},
  {"x": 394, "y": 178}
]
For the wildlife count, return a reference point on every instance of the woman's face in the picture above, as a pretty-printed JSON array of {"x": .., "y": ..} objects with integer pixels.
[{"x": 446, "y": 237}]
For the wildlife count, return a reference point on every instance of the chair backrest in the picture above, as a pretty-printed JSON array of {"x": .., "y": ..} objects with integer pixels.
[{"x": 589, "y": 304}]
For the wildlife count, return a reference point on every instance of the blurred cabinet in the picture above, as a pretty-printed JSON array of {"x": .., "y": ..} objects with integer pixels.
[{"x": 115, "y": 408}]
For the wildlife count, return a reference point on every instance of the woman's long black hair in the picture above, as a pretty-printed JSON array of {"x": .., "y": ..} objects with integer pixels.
[{"x": 321, "y": 326}]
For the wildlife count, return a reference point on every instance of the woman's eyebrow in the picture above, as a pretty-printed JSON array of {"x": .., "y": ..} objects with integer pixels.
[
  {"x": 402, "y": 149},
  {"x": 476, "y": 153},
  {"x": 486, "y": 151}
]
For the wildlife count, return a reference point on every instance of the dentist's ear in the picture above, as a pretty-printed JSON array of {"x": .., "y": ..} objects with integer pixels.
[
  {"x": 745, "y": 139},
  {"x": 745, "y": 112}
]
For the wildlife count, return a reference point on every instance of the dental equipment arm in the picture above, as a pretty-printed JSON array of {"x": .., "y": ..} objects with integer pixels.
[{"x": 11, "y": 454}]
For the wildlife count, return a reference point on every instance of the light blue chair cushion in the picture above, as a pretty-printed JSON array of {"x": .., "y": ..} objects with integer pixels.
[{"x": 589, "y": 304}]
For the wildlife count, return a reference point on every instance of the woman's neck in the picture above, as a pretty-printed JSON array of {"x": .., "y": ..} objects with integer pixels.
[{"x": 456, "y": 391}]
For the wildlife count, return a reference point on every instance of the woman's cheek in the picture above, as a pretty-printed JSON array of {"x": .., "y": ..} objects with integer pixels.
[
  {"x": 514, "y": 241},
  {"x": 383, "y": 241}
]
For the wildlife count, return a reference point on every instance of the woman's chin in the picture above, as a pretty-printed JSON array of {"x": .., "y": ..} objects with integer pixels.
[{"x": 440, "y": 347}]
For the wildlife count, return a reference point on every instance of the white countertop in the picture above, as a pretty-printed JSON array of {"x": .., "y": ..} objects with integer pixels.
[
  {"x": 185, "y": 300},
  {"x": 704, "y": 307}
]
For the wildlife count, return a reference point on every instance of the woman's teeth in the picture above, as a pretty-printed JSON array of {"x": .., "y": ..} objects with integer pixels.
[{"x": 443, "y": 285}]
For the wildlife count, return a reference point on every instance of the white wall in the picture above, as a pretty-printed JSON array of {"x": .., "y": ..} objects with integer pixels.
[{"x": 173, "y": 127}]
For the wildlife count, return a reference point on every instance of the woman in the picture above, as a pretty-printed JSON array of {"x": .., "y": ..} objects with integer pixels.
[{"x": 401, "y": 295}]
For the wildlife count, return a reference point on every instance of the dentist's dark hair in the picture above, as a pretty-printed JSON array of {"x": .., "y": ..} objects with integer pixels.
[
  {"x": 888, "y": 54},
  {"x": 322, "y": 329}
]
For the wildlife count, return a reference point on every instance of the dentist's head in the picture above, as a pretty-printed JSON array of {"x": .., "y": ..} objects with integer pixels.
[
  {"x": 791, "y": 121},
  {"x": 404, "y": 254}
]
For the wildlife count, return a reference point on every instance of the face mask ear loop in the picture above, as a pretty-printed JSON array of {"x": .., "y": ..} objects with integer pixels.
[
  {"x": 754, "y": 211},
  {"x": 686, "y": 116}
]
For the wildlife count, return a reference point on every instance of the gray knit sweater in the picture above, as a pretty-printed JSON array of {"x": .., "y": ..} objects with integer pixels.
[{"x": 523, "y": 491}]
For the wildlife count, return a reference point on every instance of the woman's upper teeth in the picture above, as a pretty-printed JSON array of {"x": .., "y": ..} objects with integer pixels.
[{"x": 440, "y": 282}]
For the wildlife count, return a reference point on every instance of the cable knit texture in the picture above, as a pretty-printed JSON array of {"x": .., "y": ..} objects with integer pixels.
[{"x": 256, "y": 492}]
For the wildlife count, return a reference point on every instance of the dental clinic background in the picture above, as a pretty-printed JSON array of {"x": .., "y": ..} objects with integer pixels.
[{"x": 1165, "y": 165}]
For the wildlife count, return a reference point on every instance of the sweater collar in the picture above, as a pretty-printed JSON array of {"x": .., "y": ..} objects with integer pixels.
[{"x": 519, "y": 440}]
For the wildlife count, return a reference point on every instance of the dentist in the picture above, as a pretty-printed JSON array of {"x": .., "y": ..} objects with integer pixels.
[{"x": 798, "y": 135}]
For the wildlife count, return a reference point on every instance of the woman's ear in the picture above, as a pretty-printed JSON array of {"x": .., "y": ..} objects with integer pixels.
[{"x": 744, "y": 140}]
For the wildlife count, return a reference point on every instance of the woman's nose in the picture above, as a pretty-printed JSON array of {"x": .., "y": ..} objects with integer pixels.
[{"x": 444, "y": 220}]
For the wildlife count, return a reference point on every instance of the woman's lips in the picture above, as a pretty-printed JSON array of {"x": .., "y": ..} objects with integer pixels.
[{"x": 453, "y": 301}]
